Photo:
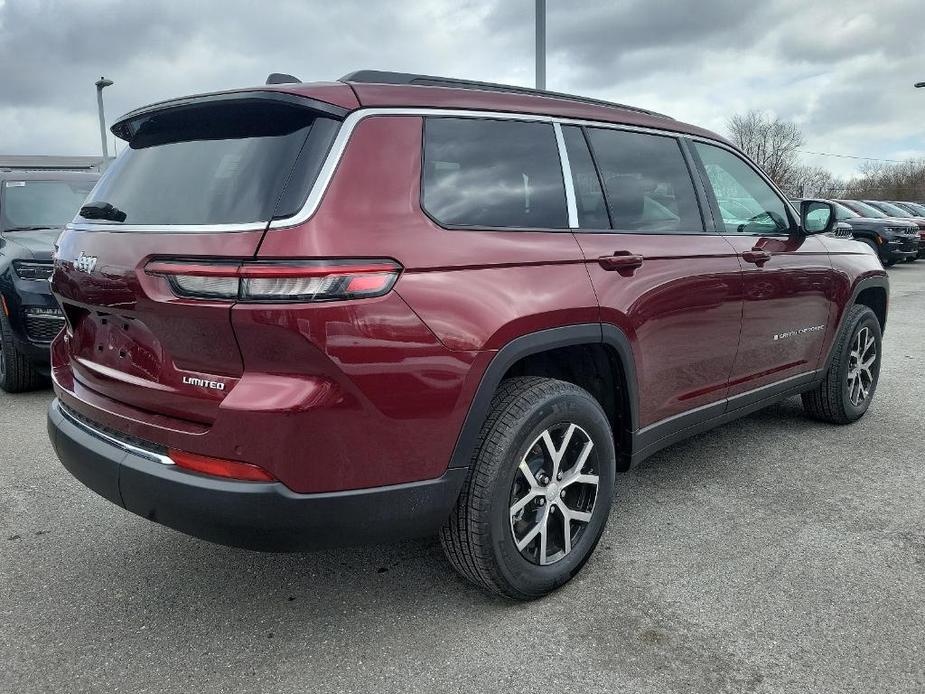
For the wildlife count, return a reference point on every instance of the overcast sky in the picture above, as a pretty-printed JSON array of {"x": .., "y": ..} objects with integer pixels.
[{"x": 843, "y": 70}]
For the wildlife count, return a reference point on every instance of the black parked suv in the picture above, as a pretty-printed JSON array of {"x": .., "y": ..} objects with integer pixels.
[
  {"x": 34, "y": 206},
  {"x": 917, "y": 209},
  {"x": 894, "y": 239}
]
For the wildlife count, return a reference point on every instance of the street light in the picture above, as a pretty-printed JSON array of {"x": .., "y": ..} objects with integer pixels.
[{"x": 101, "y": 84}]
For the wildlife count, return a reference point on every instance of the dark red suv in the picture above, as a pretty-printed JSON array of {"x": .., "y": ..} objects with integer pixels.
[{"x": 314, "y": 314}]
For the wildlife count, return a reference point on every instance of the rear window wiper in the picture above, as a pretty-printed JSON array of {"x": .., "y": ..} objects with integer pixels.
[
  {"x": 30, "y": 228},
  {"x": 102, "y": 210}
]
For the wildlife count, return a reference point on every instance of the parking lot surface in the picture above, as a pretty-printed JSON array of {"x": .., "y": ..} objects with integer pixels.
[{"x": 774, "y": 554}]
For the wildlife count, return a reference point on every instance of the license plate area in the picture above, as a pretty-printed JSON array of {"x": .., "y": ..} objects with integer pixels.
[{"x": 118, "y": 342}]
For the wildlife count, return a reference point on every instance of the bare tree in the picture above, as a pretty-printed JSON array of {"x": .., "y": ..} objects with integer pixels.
[
  {"x": 813, "y": 181},
  {"x": 902, "y": 181},
  {"x": 770, "y": 142}
]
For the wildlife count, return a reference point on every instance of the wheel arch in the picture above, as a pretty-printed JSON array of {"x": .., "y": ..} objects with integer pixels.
[
  {"x": 875, "y": 297},
  {"x": 597, "y": 353},
  {"x": 871, "y": 291}
]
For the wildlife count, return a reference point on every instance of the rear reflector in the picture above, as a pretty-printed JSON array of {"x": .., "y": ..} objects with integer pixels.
[
  {"x": 219, "y": 467},
  {"x": 277, "y": 281}
]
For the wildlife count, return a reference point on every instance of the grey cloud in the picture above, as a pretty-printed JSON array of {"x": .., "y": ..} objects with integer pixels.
[{"x": 842, "y": 69}]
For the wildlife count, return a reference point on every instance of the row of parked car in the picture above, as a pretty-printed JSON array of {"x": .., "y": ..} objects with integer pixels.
[{"x": 894, "y": 229}]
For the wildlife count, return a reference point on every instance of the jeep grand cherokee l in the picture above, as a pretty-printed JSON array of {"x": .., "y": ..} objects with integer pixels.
[
  {"x": 314, "y": 314},
  {"x": 34, "y": 207}
]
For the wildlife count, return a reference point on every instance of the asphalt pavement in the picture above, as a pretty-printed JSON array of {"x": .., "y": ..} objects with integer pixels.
[{"x": 775, "y": 554}]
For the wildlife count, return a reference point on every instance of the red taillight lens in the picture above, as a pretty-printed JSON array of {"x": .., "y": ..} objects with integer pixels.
[
  {"x": 219, "y": 467},
  {"x": 278, "y": 281}
]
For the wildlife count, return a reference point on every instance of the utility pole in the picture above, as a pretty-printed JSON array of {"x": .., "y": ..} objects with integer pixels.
[
  {"x": 540, "y": 44},
  {"x": 101, "y": 84}
]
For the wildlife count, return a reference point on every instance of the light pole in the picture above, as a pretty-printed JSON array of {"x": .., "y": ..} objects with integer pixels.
[
  {"x": 540, "y": 44},
  {"x": 101, "y": 84}
]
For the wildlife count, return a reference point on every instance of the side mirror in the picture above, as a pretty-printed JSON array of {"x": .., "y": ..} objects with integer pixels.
[{"x": 817, "y": 217}]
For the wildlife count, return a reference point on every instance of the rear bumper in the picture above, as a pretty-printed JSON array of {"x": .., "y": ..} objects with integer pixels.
[{"x": 256, "y": 515}]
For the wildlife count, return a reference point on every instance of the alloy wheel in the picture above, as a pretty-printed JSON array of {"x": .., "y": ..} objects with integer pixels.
[
  {"x": 861, "y": 360},
  {"x": 553, "y": 494}
]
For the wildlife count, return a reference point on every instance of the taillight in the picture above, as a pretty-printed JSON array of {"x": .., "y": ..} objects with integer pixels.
[
  {"x": 278, "y": 281},
  {"x": 219, "y": 467}
]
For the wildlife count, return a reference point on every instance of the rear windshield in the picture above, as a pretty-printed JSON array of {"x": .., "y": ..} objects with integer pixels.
[
  {"x": 28, "y": 204},
  {"x": 218, "y": 164}
]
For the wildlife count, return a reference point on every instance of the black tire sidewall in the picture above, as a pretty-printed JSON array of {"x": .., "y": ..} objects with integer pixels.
[
  {"x": 6, "y": 345},
  {"x": 866, "y": 319},
  {"x": 525, "y": 577}
]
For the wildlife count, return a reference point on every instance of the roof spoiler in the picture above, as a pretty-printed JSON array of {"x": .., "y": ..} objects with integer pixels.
[{"x": 128, "y": 125}]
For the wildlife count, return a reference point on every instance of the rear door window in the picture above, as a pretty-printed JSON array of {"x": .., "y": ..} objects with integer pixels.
[
  {"x": 646, "y": 182},
  {"x": 493, "y": 173},
  {"x": 589, "y": 197},
  {"x": 218, "y": 164}
]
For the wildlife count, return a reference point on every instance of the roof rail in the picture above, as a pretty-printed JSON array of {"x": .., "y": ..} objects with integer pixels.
[{"x": 384, "y": 77}]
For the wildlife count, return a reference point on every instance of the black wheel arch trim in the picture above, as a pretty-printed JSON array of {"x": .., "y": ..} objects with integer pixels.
[
  {"x": 875, "y": 282},
  {"x": 535, "y": 343}
]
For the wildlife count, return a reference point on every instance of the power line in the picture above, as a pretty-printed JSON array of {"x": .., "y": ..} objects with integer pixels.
[{"x": 851, "y": 156}]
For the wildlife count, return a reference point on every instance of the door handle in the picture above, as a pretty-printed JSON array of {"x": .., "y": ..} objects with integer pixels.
[
  {"x": 621, "y": 260},
  {"x": 757, "y": 257}
]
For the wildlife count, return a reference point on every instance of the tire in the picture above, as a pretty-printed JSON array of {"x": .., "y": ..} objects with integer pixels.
[
  {"x": 889, "y": 263},
  {"x": 912, "y": 259},
  {"x": 835, "y": 399},
  {"x": 479, "y": 537},
  {"x": 16, "y": 372}
]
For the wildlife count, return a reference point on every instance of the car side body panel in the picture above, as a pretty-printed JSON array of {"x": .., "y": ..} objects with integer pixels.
[
  {"x": 681, "y": 310},
  {"x": 786, "y": 314}
]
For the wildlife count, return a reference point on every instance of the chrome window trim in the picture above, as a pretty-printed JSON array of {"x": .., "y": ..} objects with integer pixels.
[
  {"x": 571, "y": 202},
  {"x": 122, "y": 445},
  {"x": 166, "y": 228},
  {"x": 339, "y": 146}
]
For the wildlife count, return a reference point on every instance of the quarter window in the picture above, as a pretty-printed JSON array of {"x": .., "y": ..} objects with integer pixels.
[
  {"x": 493, "y": 173},
  {"x": 646, "y": 182},
  {"x": 747, "y": 204}
]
